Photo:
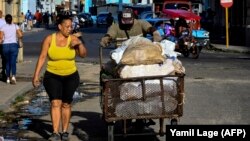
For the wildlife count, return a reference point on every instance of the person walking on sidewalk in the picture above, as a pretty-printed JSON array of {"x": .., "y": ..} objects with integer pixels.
[
  {"x": 9, "y": 34},
  {"x": 22, "y": 21},
  {"x": 20, "y": 49},
  {"x": 3, "y": 73},
  {"x": 29, "y": 17},
  {"x": 61, "y": 77},
  {"x": 38, "y": 18}
]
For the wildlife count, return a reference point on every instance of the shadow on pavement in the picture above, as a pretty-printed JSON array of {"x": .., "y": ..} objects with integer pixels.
[
  {"x": 94, "y": 128},
  {"x": 41, "y": 127}
]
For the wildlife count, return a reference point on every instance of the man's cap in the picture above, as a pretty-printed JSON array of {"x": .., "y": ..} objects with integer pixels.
[{"x": 127, "y": 16}]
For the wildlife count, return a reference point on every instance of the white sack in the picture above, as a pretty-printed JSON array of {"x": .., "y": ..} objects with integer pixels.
[
  {"x": 147, "y": 70},
  {"x": 152, "y": 106},
  {"x": 117, "y": 53},
  {"x": 168, "y": 48},
  {"x": 133, "y": 90}
]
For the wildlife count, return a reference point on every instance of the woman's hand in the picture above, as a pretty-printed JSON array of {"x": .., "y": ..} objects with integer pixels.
[
  {"x": 75, "y": 42},
  {"x": 36, "y": 82}
]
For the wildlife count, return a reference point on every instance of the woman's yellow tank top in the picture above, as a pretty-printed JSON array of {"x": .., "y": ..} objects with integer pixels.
[{"x": 61, "y": 60}]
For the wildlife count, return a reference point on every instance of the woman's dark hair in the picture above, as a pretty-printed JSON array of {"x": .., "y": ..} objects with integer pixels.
[
  {"x": 8, "y": 19},
  {"x": 60, "y": 18}
]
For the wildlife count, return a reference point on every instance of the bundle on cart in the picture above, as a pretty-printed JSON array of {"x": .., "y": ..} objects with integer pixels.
[{"x": 139, "y": 57}]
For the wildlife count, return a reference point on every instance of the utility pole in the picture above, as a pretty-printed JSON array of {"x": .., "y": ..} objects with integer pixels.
[{"x": 20, "y": 49}]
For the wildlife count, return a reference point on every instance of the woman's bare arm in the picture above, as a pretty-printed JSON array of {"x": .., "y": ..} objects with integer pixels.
[
  {"x": 78, "y": 46},
  {"x": 41, "y": 60}
]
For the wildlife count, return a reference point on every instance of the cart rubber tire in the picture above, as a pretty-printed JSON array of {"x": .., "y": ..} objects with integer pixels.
[
  {"x": 111, "y": 132},
  {"x": 174, "y": 122}
]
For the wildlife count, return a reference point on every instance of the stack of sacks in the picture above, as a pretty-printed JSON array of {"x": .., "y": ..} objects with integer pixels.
[
  {"x": 111, "y": 67},
  {"x": 140, "y": 57}
]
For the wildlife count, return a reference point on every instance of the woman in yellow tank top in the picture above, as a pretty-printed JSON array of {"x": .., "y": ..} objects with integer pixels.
[{"x": 61, "y": 77}]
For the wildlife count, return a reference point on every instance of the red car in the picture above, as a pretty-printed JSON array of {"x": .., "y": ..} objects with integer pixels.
[{"x": 176, "y": 9}]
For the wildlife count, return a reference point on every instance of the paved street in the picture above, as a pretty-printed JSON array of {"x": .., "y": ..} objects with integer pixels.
[{"x": 216, "y": 88}]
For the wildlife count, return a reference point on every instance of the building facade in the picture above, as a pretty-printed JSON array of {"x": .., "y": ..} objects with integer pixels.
[
  {"x": 238, "y": 21},
  {"x": 11, "y": 7}
]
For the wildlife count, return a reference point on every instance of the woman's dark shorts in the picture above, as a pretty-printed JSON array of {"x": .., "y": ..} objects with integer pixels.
[{"x": 61, "y": 87}]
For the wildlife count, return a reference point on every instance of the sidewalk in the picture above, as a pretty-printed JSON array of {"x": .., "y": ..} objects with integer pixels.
[
  {"x": 34, "y": 29},
  {"x": 230, "y": 48},
  {"x": 25, "y": 71}
]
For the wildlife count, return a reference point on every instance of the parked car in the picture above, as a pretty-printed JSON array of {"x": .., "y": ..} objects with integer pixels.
[
  {"x": 146, "y": 15},
  {"x": 85, "y": 19},
  {"x": 101, "y": 18},
  {"x": 155, "y": 22}
]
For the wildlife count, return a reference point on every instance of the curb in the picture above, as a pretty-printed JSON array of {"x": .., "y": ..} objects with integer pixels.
[
  {"x": 224, "y": 49},
  {"x": 34, "y": 30},
  {"x": 25, "y": 88}
]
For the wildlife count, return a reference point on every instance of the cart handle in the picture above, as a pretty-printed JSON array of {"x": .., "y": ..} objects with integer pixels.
[{"x": 111, "y": 46}]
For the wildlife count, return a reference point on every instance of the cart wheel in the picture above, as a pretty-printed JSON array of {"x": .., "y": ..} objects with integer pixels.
[
  {"x": 110, "y": 132},
  {"x": 174, "y": 121}
]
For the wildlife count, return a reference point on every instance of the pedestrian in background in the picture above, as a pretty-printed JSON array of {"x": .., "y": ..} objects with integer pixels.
[
  {"x": 29, "y": 17},
  {"x": 53, "y": 18},
  {"x": 3, "y": 73},
  {"x": 20, "y": 41},
  {"x": 9, "y": 35},
  {"x": 210, "y": 14},
  {"x": 38, "y": 18},
  {"x": 22, "y": 21},
  {"x": 61, "y": 77},
  {"x": 170, "y": 30},
  {"x": 45, "y": 17},
  {"x": 75, "y": 22},
  {"x": 20, "y": 48}
]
